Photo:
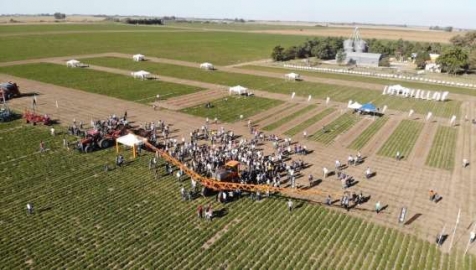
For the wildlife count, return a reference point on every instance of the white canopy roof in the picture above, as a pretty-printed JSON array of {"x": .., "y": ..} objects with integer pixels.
[
  {"x": 354, "y": 105},
  {"x": 130, "y": 140},
  {"x": 238, "y": 89},
  {"x": 138, "y": 55},
  {"x": 142, "y": 72},
  {"x": 73, "y": 61},
  {"x": 292, "y": 75}
]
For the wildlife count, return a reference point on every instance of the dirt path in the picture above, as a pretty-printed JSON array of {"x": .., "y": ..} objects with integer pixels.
[
  {"x": 276, "y": 117},
  {"x": 348, "y": 137},
  {"x": 258, "y": 118},
  {"x": 297, "y": 121},
  {"x": 423, "y": 144}
]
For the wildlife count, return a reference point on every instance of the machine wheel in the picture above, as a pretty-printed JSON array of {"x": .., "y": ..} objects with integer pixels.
[
  {"x": 88, "y": 148},
  {"x": 104, "y": 143}
]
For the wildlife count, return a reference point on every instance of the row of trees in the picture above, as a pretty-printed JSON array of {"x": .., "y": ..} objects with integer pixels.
[
  {"x": 458, "y": 57},
  {"x": 153, "y": 21}
]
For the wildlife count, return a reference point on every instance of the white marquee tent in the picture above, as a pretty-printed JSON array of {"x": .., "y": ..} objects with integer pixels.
[
  {"x": 207, "y": 66},
  {"x": 73, "y": 63},
  {"x": 138, "y": 57},
  {"x": 141, "y": 74},
  {"x": 292, "y": 76},
  {"x": 130, "y": 140},
  {"x": 354, "y": 106},
  {"x": 238, "y": 90}
]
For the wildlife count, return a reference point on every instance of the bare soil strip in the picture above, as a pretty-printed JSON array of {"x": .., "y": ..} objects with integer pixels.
[
  {"x": 348, "y": 137},
  {"x": 423, "y": 144},
  {"x": 380, "y": 137}
]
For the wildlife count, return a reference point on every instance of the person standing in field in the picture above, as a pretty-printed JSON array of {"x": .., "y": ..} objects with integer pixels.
[
  {"x": 200, "y": 211},
  {"x": 290, "y": 205},
  {"x": 378, "y": 207}
]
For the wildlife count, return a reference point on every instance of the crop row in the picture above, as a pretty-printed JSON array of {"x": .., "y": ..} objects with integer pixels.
[
  {"x": 328, "y": 133},
  {"x": 368, "y": 133},
  {"x": 442, "y": 153},
  {"x": 338, "y": 93},
  {"x": 309, "y": 122},
  {"x": 288, "y": 118},
  {"x": 230, "y": 109},
  {"x": 86, "y": 217},
  {"x": 288, "y": 107},
  {"x": 402, "y": 139}
]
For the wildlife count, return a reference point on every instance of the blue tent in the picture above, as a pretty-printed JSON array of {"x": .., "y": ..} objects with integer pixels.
[{"x": 368, "y": 107}]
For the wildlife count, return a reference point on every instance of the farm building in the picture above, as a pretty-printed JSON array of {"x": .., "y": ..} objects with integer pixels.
[{"x": 363, "y": 59}]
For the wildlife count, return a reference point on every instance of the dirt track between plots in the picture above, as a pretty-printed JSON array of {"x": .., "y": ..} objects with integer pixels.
[{"x": 397, "y": 184}]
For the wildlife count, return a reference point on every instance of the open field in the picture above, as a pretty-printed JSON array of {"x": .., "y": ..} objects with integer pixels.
[
  {"x": 32, "y": 29},
  {"x": 414, "y": 85},
  {"x": 335, "y": 128},
  {"x": 442, "y": 153},
  {"x": 86, "y": 217},
  {"x": 217, "y": 47},
  {"x": 402, "y": 140},
  {"x": 230, "y": 108},
  {"x": 368, "y": 133},
  {"x": 101, "y": 82},
  {"x": 339, "y": 93}
]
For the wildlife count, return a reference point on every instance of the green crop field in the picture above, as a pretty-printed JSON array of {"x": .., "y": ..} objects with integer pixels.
[
  {"x": 442, "y": 153},
  {"x": 219, "y": 48},
  {"x": 237, "y": 26},
  {"x": 318, "y": 90},
  {"x": 288, "y": 118},
  {"x": 402, "y": 139},
  {"x": 91, "y": 27},
  {"x": 368, "y": 133},
  {"x": 334, "y": 129},
  {"x": 86, "y": 217},
  {"x": 230, "y": 108},
  {"x": 99, "y": 82},
  {"x": 349, "y": 77},
  {"x": 288, "y": 107},
  {"x": 309, "y": 122}
]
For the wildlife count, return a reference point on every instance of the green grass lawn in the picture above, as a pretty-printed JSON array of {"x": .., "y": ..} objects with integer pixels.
[
  {"x": 442, "y": 152},
  {"x": 99, "y": 82},
  {"x": 219, "y": 48},
  {"x": 124, "y": 218},
  {"x": 230, "y": 108},
  {"x": 368, "y": 133},
  {"x": 102, "y": 26},
  {"x": 289, "y": 118},
  {"x": 402, "y": 140},
  {"x": 349, "y": 77},
  {"x": 317, "y": 90},
  {"x": 309, "y": 122},
  {"x": 335, "y": 128}
]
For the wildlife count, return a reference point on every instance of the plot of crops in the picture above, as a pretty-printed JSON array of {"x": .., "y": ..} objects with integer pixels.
[
  {"x": 288, "y": 118},
  {"x": 85, "y": 217},
  {"x": 309, "y": 122},
  {"x": 338, "y": 93},
  {"x": 368, "y": 133},
  {"x": 442, "y": 153},
  {"x": 402, "y": 140},
  {"x": 99, "y": 82},
  {"x": 230, "y": 109},
  {"x": 328, "y": 133}
]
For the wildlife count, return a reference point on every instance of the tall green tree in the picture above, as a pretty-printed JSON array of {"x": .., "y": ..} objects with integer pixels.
[
  {"x": 420, "y": 60},
  {"x": 278, "y": 53},
  {"x": 340, "y": 57},
  {"x": 453, "y": 60}
]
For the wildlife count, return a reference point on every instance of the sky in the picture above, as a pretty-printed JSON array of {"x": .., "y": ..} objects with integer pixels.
[{"x": 456, "y": 13}]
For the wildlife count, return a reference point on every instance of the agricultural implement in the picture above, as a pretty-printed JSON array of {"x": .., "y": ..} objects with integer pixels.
[
  {"x": 95, "y": 139},
  {"x": 34, "y": 118},
  {"x": 9, "y": 90},
  {"x": 6, "y": 115}
]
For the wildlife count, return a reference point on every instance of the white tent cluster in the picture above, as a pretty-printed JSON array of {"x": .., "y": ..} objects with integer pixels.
[
  {"x": 292, "y": 76},
  {"x": 207, "y": 66},
  {"x": 74, "y": 63},
  {"x": 380, "y": 75},
  {"x": 239, "y": 90},
  {"x": 138, "y": 57},
  {"x": 141, "y": 74},
  {"x": 400, "y": 91}
]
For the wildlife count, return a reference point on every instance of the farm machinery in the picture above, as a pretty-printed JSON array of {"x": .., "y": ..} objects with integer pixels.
[
  {"x": 35, "y": 118},
  {"x": 6, "y": 115},
  {"x": 9, "y": 90},
  {"x": 96, "y": 139}
]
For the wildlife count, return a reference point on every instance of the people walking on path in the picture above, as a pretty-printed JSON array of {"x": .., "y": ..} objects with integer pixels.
[{"x": 378, "y": 207}]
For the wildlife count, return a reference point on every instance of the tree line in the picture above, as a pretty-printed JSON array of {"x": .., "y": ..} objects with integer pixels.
[
  {"x": 154, "y": 21},
  {"x": 457, "y": 57}
]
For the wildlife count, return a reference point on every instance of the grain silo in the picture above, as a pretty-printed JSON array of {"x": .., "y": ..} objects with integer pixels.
[
  {"x": 360, "y": 46},
  {"x": 348, "y": 45}
]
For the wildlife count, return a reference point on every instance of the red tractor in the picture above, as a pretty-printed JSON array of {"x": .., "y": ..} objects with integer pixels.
[
  {"x": 34, "y": 118},
  {"x": 9, "y": 90},
  {"x": 95, "y": 140}
]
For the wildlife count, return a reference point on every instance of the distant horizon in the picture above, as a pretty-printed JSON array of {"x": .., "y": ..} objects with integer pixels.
[{"x": 246, "y": 19}]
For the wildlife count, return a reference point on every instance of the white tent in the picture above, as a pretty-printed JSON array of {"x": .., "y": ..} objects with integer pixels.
[
  {"x": 238, "y": 90},
  {"x": 292, "y": 76},
  {"x": 141, "y": 74},
  {"x": 207, "y": 66},
  {"x": 73, "y": 63},
  {"x": 130, "y": 140},
  {"x": 138, "y": 57},
  {"x": 354, "y": 106}
]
